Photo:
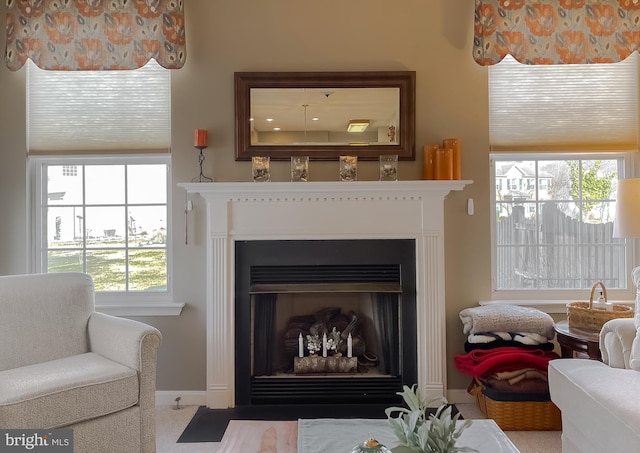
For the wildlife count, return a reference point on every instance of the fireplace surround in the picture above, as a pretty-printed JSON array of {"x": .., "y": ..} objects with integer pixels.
[{"x": 362, "y": 210}]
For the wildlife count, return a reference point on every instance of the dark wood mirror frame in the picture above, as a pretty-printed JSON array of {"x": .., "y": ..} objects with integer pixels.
[{"x": 404, "y": 80}]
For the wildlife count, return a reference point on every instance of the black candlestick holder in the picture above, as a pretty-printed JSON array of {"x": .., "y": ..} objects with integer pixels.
[{"x": 202, "y": 177}]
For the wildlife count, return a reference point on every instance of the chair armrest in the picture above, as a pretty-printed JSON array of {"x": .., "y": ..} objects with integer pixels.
[
  {"x": 123, "y": 340},
  {"x": 134, "y": 344},
  {"x": 616, "y": 340}
]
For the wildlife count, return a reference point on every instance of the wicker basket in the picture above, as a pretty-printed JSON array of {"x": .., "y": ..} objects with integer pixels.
[
  {"x": 583, "y": 316},
  {"x": 517, "y": 415}
]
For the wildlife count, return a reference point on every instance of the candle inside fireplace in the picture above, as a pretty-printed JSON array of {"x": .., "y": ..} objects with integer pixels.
[
  {"x": 349, "y": 346},
  {"x": 324, "y": 344},
  {"x": 300, "y": 345}
]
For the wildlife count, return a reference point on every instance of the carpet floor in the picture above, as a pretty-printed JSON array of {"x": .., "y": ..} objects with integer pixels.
[{"x": 209, "y": 425}]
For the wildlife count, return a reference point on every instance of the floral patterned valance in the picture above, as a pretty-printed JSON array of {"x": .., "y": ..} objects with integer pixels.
[
  {"x": 556, "y": 31},
  {"x": 95, "y": 34}
]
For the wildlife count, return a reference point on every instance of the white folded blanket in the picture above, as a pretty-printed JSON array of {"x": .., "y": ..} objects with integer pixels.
[{"x": 506, "y": 318}]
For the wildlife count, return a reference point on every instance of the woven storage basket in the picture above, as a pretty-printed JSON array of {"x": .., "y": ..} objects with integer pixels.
[
  {"x": 517, "y": 415},
  {"x": 582, "y": 315}
]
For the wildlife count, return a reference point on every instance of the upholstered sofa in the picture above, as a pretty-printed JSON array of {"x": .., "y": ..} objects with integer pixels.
[
  {"x": 64, "y": 365},
  {"x": 599, "y": 401}
]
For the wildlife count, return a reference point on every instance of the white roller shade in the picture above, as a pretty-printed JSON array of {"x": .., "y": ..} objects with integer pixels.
[
  {"x": 563, "y": 107},
  {"x": 88, "y": 111}
]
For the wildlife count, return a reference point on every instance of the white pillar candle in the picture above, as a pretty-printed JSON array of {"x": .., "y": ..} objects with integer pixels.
[
  {"x": 324, "y": 344},
  {"x": 300, "y": 345},
  {"x": 349, "y": 346}
]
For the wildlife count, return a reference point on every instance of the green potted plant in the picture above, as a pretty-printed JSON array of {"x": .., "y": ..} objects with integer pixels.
[{"x": 422, "y": 433}]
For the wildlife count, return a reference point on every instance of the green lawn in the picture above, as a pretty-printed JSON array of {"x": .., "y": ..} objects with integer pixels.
[{"x": 107, "y": 267}]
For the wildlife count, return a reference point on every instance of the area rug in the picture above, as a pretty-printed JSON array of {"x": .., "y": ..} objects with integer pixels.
[{"x": 209, "y": 425}]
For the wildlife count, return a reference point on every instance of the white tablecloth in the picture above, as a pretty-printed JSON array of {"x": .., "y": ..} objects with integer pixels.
[{"x": 329, "y": 435}]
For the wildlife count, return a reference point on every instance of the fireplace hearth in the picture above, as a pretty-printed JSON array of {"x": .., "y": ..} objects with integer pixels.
[
  {"x": 278, "y": 279},
  {"x": 323, "y": 211}
]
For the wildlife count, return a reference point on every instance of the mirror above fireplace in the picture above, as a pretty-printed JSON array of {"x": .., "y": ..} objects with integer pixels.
[{"x": 325, "y": 114}]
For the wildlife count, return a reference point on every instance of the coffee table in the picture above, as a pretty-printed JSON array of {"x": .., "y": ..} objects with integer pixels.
[{"x": 321, "y": 435}]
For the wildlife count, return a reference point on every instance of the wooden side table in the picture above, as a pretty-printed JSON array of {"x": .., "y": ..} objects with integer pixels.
[{"x": 576, "y": 342}]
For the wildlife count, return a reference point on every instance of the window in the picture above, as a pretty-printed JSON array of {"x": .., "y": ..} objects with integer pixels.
[
  {"x": 561, "y": 136},
  {"x": 69, "y": 170},
  {"x": 100, "y": 170},
  {"x": 530, "y": 184},
  {"x": 560, "y": 238},
  {"x": 109, "y": 218}
]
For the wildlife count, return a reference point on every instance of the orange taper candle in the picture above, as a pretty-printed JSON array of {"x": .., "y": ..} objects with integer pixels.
[{"x": 200, "y": 138}]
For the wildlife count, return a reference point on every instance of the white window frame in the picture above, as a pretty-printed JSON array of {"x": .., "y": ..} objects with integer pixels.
[
  {"x": 117, "y": 303},
  {"x": 555, "y": 300}
]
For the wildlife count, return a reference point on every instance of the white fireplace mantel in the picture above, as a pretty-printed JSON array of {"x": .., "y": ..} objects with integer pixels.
[{"x": 316, "y": 211}]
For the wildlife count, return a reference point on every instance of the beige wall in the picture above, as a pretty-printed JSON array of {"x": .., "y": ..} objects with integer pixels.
[{"x": 432, "y": 37}]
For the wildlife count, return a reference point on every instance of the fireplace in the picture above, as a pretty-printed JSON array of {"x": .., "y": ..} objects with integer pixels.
[
  {"x": 411, "y": 211},
  {"x": 365, "y": 283}
]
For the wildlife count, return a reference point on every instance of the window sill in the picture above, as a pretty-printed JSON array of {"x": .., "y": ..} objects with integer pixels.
[
  {"x": 161, "y": 309},
  {"x": 548, "y": 306}
]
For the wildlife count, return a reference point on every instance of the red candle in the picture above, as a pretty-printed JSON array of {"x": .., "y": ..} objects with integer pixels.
[{"x": 200, "y": 138}]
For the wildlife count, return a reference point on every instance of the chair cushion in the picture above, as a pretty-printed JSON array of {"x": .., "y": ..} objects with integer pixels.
[{"x": 63, "y": 391}]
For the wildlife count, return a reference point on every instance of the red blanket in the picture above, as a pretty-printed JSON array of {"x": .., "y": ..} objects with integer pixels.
[{"x": 479, "y": 362}]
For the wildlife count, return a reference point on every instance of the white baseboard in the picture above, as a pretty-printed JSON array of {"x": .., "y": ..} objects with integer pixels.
[
  {"x": 187, "y": 397},
  {"x": 199, "y": 398}
]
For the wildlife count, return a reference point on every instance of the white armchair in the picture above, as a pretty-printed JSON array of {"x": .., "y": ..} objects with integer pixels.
[
  {"x": 63, "y": 365},
  {"x": 599, "y": 401}
]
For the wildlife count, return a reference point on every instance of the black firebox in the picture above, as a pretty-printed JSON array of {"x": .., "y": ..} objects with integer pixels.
[{"x": 385, "y": 268}]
